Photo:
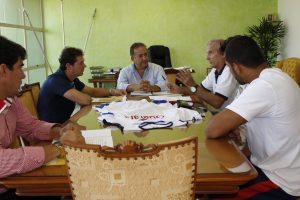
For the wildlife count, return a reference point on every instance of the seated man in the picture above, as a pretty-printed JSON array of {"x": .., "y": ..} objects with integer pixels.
[
  {"x": 63, "y": 89},
  {"x": 219, "y": 88},
  {"x": 141, "y": 75},
  {"x": 269, "y": 106},
  {"x": 15, "y": 120}
]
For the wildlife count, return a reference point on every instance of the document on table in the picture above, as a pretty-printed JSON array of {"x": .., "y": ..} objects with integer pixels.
[
  {"x": 166, "y": 93},
  {"x": 101, "y": 137},
  {"x": 107, "y": 99},
  {"x": 171, "y": 98},
  {"x": 56, "y": 161},
  {"x": 140, "y": 93}
]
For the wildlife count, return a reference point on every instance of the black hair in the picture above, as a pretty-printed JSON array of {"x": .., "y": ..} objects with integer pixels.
[
  {"x": 10, "y": 52},
  {"x": 136, "y": 45},
  {"x": 244, "y": 50},
  {"x": 68, "y": 55},
  {"x": 224, "y": 44}
]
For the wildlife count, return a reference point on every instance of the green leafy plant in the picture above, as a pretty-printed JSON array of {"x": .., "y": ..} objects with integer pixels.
[{"x": 268, "y": 35}]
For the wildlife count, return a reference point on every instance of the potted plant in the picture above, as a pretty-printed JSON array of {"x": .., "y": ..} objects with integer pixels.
[{"x": 268, "y": 35}]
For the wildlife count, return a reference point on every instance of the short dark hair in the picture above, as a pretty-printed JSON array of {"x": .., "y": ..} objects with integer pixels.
[
  {"x": 68, "y": 55},
  {"x": 136, "y": 45},
  {"x": 224, "y": 44},
  {"x": 244, "y": 50},
  {"x": 10, "y": 52}
]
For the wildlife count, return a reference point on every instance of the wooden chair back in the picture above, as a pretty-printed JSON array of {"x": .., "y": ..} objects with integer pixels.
[
  {"x": 35, "y": 88},
  {"x": 133, "y": 171},
  {"x": 291, "y": 66},
  {"x": 26, "y": 98}
]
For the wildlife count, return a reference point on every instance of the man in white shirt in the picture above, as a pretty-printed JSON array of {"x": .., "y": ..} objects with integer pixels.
[
  {"x": 270, "y": 108},
  {"x": 219, "y": 87}
]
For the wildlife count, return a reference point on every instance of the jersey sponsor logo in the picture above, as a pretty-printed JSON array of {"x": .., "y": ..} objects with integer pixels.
[{"x": 145, "y": 117}]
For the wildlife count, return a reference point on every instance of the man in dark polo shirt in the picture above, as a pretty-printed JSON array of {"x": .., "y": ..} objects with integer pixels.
[{"x": 62, "y": 90}]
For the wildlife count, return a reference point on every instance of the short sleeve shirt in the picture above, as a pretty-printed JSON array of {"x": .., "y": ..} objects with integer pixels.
[
  {"x": 221, "y": 83},
  {"x": 271, "y": 106},
  {"x": 52, "y": 105}
]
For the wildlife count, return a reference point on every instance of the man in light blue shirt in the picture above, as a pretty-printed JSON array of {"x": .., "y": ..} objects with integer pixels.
[{"x": 141, "y": 75}]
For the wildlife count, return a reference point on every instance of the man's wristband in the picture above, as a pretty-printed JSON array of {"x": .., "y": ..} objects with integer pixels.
[
  {"x": 56, "y": 143},
  {"x": 58, "y": 146}
]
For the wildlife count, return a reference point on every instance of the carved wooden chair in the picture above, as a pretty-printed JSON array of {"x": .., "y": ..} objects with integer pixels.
[
  {"x": 133, "y": 171},
  {"x": 35, "y": 88}
]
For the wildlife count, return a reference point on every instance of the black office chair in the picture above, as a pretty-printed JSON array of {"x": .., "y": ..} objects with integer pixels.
[{"x": 160, "y": 55}]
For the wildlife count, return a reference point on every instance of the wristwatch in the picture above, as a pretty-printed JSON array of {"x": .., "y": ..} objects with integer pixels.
[{"x": 193, "y": 89}]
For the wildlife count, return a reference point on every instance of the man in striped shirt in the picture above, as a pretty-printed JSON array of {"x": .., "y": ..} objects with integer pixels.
[{"x": 15, "y": 120}]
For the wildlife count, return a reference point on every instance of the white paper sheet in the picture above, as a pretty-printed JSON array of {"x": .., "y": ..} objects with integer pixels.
[
  {"x": 107, "y": 99},
  {"x": 140, "y": 93},
  {"x": 101, "y": 137},
  {"x": 171, "y": 98},
  {"x": 165, "y": 94}
]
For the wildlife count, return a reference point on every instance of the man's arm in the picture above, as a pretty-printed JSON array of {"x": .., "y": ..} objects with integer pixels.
[
  {"x": 123, "y": 82},
  {"x": 133, "y": 87},
  {"x": 147, "y": 87},
  {"x": 69, "y": 133},
  {"x": 186, "y": 78},
  {"x": 96, "y": 92},
  {"x": 212, "y": 99},
  {"x": 78, "y": 97},
  {"x": 223, "y": 123},
  {"x": 179, "y": 90},
  {"x": 102, "y": 92}
]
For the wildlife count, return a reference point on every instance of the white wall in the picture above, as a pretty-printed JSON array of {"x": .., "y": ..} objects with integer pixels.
[{"x": 289, "y": 13}]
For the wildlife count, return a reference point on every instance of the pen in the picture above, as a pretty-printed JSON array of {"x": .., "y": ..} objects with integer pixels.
[{"x": 163, "y": 77}]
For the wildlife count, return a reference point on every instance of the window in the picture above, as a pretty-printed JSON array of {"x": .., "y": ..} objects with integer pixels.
[{"x": 22, "y": 22}]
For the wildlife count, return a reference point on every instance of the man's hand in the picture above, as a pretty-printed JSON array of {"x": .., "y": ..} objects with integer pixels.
[
  {"x": 186, "y": 78},
  {"x": 174, "y": 88},
  {"x": 236, "y": 136},
  {"x": 145, "y": 86},
  {"x": 71, "y": 134},
  {"x": 117, "y": 92}
]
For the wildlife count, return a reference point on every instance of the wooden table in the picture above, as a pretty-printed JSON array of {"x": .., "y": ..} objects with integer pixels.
[{"x": 217, "y": 161}]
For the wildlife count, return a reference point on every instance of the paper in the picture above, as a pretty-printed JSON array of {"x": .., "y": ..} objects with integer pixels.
[
  {"x": 165, "y": 94},
  {"x": 107, "y": 99},
  {"x": 140, "y": 93},
  {"x": 57, "y": 161},
  {"x": 101, "y": 137},
  {"x": 171, "y": 98}
]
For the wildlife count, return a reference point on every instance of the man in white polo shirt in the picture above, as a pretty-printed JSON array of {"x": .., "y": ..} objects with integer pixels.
[
  {"x": 219, "y": 88},
  {"x": 270, "y": 107}
]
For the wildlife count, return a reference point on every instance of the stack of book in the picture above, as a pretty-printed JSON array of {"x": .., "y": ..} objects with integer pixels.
[{"x": 97, "y": 71}]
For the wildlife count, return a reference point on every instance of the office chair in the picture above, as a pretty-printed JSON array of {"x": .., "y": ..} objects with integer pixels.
[
  {"x": 160, "y": 55},
  {"x": 133, "y": 171}
]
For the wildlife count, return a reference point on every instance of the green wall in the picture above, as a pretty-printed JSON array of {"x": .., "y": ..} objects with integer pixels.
[{"x": 185, "y": 26}]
